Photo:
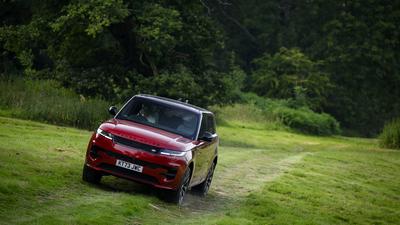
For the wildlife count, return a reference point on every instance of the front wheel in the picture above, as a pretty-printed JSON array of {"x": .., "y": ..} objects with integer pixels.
[
  {"x": 178, "y": 195},
  {"x": 90, "y": 175},
  {"x": 202, "y": 188}
]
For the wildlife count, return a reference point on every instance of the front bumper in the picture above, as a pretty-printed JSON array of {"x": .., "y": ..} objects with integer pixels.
[{"x": 158, "y": 170}]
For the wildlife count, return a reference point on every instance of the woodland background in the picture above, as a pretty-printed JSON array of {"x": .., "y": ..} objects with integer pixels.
[{"x": 335, "y": 57}]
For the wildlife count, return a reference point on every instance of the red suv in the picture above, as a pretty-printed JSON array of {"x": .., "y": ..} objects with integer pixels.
[{"x": 166, "y": 143}]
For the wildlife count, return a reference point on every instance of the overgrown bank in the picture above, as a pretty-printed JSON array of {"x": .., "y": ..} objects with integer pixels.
[
  {"x": 255, "y": 111},
  {"x": 47, "y": 101}
]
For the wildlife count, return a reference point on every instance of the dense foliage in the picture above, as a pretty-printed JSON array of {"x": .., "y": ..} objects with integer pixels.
[
  {"x": 290, "y": 74},
  {"x": 116, "y": 48},
  {"x": 390, "y": 136},
  {"x": 338, "y": 57},
  {"x": 357, "y": 43}
]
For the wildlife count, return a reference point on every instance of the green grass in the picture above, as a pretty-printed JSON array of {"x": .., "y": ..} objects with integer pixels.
[{"x": 263, "y": 177}]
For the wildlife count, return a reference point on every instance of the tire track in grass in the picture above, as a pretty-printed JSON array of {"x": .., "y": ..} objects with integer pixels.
[{"x": 233, "y": 184}]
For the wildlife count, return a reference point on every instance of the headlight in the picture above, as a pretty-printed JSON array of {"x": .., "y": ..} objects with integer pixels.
[
  {"x": 171, "y": 152},
  {"x": 104, "y": 134}
]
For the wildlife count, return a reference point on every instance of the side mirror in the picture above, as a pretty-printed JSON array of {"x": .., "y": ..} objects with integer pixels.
[
  {"x": 113, "y": 110},
  {"x": 207, "y": 136}
]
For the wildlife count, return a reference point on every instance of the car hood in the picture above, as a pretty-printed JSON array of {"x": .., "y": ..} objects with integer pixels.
[{"x": 147, "y": 135}]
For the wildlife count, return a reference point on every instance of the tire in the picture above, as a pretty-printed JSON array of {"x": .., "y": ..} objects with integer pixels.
[
  {"x": 202, "y": 188},
  {"x": 178, "y": 195},
  {"x": 90, "y": 175}
]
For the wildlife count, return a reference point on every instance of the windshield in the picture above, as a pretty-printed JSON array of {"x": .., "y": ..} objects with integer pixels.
[{"x": 162, "y": 116}]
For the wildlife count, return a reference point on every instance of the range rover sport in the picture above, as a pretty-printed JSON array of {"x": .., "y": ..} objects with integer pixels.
[{"x": 158, "y": 141}]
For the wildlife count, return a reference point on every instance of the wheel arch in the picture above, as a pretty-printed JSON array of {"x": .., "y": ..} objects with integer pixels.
[
  {"x": 215, "y": 160},
  {"x": 191, "y": 167}
]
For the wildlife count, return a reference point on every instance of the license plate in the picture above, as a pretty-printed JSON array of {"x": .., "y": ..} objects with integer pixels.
[{"x": 129, "y": 166}]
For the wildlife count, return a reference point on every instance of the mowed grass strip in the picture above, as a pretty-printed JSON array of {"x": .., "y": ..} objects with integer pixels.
[
  {"x": 340, "y": 181},
  {"x": 263, "y": 177},
  {"x": 40, "y": 171},
  {"x": 41, "y": 181}
]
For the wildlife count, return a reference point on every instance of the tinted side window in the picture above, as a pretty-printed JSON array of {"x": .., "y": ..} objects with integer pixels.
[
  {"x": 207, "y": 124},
  {"x": 203, "y": 127},
  {"x": 210, "y": 124}
]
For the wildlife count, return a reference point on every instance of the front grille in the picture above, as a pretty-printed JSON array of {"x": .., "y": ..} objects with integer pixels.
[
  {"x": 134, "y": 144},
  {"x": 129, "y": 173},
  {"x": 170, "y": 173}
]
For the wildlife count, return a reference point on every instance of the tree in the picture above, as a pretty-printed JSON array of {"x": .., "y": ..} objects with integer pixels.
[
  {"x": 291, "y": 74},
  {"x": 109, "y": 48},
  {"x": 361, "y": 48}
]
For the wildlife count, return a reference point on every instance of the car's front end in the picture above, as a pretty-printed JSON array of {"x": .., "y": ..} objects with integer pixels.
[{"x": 128, "y": 153}]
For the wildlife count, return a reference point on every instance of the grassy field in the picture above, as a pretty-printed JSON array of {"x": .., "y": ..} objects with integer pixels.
[{"x": 263, "y": 177}]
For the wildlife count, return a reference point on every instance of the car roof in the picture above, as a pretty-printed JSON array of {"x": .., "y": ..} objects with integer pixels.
[{"x": 173, "y": 102}]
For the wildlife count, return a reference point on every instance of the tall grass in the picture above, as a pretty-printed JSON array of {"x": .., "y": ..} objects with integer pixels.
[
  {"x": 247, "y": 115},
  {"x": 47, "y": 101},
  {"x": 390, "y": 137}
]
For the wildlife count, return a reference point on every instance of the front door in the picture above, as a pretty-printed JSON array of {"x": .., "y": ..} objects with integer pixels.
[{"x": 206, "y": 150}]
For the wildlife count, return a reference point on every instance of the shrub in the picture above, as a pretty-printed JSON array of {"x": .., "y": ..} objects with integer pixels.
[
  {"x": 47, "y": 101},
  {"x": 286, "y": 112},
  {"x": 390, "y": 136},
  {"x": 306, "y": 121}
]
